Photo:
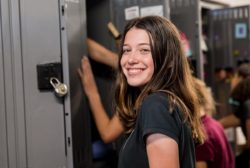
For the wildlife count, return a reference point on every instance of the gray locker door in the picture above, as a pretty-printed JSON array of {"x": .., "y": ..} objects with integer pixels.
[
  {"x": 44, "y": 112},
  {"x": 73, "y": 34},
  {"x": 35, "y": 125},
  {"x": 12, "y": 134},
  {"x": 3, "y": 133}
]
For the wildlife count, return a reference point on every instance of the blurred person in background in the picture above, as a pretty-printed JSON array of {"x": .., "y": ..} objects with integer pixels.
[
  {"x": 240, "y": 103},
  {"x": 216, "y": 151}
]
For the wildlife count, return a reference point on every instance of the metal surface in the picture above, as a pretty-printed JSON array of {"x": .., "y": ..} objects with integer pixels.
[
  {"x": 36, "y": 126},
  {"x": 228, "y": 43},
  {"x": 227, "y": 48},
  {"x": 12, "y": 111},
  {"x": 224, "y": 41},
  {"x": 44, "y": 112},
  {"x": 240, "y": 23},
  {"x": 73, "y": 34},
  {"x": 3, "y": 133}
]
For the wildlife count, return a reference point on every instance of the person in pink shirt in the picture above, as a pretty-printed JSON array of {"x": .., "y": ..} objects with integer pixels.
[{"x": 216, "y": 151}]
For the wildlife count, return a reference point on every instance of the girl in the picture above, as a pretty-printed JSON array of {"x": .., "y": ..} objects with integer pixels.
[{"x": 154, "y": 97}]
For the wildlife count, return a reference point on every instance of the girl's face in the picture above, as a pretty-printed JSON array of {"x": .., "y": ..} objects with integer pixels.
[{"x": 137, "y": 61}]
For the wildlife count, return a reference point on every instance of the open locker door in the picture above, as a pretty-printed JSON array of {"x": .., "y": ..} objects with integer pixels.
[{"x": 74, "y": 34}]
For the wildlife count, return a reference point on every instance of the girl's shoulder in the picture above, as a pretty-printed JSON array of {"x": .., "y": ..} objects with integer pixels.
[{"x": 157, "y": 95}]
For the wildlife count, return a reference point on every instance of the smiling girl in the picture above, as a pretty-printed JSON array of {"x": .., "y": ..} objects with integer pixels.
[{"x": 154, "y": 97}]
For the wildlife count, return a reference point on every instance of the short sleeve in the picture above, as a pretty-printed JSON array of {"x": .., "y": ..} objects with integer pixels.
[
  {"x": 155, "y": 117},
  {"x": 204, "y": 152}
]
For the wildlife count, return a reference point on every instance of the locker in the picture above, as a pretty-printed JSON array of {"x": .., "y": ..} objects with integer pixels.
[
  {"x": 39, "y": 129},
  {"x": 229, "y": 39},
  {"x": 186, "y": 15},
  {"x": 230, "y": 35}
]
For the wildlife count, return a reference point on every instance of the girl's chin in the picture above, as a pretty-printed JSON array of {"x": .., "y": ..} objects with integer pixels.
[{"x": 135, "y": 84}]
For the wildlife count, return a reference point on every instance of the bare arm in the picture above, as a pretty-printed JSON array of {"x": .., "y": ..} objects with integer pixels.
[
  {"x": 109, "y": 129},
  {"x": 162, "y": 151},
  {"x": 101, "y": 54},
  {"x": 230, "y": 121},
  {"x": 201, "y": 164}
]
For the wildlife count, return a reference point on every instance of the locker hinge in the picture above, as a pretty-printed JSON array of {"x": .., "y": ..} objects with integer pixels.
[
  {"x": 69, "y": 141},
  {"x": 63, "y": 10}
]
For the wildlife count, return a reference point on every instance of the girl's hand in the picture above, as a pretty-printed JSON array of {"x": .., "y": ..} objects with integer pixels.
[{"x": 87, "y": 77}]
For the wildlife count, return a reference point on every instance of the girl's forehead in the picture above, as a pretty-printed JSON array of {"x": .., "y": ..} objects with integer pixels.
[{"x": 135, "y": 35}]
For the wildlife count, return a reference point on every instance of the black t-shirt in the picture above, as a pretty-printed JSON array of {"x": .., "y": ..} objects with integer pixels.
[{"x": 155, "y": 117}]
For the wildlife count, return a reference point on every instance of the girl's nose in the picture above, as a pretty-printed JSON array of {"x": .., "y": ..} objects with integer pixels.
[{"x": 133, "y": 60}]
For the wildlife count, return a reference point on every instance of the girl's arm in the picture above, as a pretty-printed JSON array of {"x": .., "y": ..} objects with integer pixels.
[
  {"x": 101, "y": 54},
  {"x": 162, "y": 151},
  {"x": 109, "y": 129}
]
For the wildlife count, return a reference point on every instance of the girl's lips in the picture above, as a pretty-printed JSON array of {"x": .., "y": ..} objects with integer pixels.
[{"x": 134, "y": 71}]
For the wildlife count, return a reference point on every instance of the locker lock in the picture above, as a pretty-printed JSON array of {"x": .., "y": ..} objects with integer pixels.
[{"x": 59, "y": 88}]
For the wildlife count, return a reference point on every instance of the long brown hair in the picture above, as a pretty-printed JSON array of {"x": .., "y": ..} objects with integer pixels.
[{"x": 171, "y": 73}]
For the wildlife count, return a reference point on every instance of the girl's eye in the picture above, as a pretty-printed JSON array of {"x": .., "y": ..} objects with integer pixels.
[
  {"x": 145, "y": 51},
  {"x": 126, "y": 50}
]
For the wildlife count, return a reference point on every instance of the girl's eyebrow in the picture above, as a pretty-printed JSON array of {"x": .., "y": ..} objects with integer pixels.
[
  {"x": 140, "y": 44},
  {"x": 143, "y": 44}
]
